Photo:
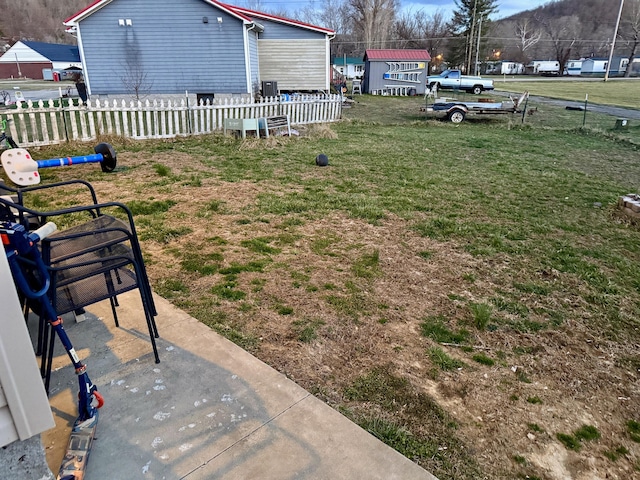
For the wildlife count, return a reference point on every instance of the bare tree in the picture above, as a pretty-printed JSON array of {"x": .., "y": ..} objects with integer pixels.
[
  {"x": 630, "y": 31},
  {"x": 421, "y": 30},
  {"x": 373, "y": 21},
  {"x": 563, "y": 34},
  {"x": 527, "y": 34},
  {"x": 135, "y": 78}
]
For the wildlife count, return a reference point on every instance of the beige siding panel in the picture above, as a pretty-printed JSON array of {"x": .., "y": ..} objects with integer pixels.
[
  {"x": 295, "y": 64},
  {"x": 8, "y": 433},
  {"x": 27, "y": 412}
]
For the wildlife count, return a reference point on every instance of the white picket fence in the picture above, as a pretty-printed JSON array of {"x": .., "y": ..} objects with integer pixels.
[{"x": 41, "y": 123}]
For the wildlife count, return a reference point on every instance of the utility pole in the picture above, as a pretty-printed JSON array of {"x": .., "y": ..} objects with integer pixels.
[
  {"x": 475, "y": 70},
  {"x": 470, "y": 43},
  {"x": 613, "y": 43}
]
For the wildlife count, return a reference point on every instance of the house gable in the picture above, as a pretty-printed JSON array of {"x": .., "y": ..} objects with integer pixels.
[
  {"x": 202, "y": 46},
  {"x": 165, "y": 49}
]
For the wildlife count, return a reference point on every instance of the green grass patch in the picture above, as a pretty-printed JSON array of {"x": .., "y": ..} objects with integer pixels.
[
  {"x": 481, "y": 313},
  {"x": 442, "y": 360},
  {"x": 483, "y": 359},
  {"x": 633, "y": 428},
  {"x": 436, "y": 328},
  {"x": 307, "y": 329},
  {"x": 146, "y": 207},
  {"x": 615, "y": 453},
  {"x": 260, "y": 245},
  {"x": 367, "y": 266}
]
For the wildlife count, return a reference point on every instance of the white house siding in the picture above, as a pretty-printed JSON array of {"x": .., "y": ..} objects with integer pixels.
[
  {"x": 22, "y": 53},
  {"x": 296, "y": 66},
  {"x": 173, "y": 46}
]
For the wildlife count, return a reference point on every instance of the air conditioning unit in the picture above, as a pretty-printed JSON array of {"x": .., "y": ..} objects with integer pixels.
[{"x": 269, "y": 89}]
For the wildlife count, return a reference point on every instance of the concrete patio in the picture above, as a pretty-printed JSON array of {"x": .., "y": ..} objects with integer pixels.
[{"x": 208, "y": 410}]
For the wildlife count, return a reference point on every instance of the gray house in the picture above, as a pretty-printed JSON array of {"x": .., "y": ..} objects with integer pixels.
[
  {"x": 395, "y": 72},
  {"x": 202, "y": 46}
]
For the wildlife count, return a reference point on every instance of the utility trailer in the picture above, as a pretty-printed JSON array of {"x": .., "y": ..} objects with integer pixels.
[{"x": 456, "y": 110}]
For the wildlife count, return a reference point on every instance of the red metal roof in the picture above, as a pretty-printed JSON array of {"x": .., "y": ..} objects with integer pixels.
[{"x": 391, "y": 54}]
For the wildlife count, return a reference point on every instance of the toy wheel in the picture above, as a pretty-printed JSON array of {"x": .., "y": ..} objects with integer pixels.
[
  {"x": 456, "y": 116},
  {"x": 477, "y": 90}
]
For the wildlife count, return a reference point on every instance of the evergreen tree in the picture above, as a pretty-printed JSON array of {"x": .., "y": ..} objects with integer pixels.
[{"x": 470, "y": 18}]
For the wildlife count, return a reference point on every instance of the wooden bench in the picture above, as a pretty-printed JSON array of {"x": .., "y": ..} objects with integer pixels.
[{"x": 272, "y": 123}]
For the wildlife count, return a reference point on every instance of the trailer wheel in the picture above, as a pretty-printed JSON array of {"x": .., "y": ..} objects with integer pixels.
[
  {"x": 456, "y": 115},
  {"x": 477, "y": 89}
]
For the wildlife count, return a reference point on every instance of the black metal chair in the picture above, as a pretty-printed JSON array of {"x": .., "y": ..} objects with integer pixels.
[{"x": 97, "y": 259}]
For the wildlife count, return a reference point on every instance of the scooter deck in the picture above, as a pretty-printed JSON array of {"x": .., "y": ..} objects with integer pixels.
[{"x": 74, "y": 463}]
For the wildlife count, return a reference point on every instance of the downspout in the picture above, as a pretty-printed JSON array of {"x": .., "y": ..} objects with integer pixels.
[
  {"x": 328, "y": 60},
  {"x": 247, "y": 59}
]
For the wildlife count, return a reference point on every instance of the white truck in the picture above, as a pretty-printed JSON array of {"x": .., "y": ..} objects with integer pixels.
[{"x": 454, "y": 80}]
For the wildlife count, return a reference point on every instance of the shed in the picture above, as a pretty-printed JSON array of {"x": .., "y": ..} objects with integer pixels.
[
  {"x": 395, "y": 72},
  {"x": 26, "y": 59},
  {"x": 201, "y": 46}
]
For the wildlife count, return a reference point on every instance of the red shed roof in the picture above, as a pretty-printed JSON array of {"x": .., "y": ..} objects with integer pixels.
[{"x": 391, "y": 54}]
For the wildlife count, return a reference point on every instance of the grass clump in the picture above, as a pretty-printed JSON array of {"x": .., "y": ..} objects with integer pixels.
[
  {"x": 442, "y": 360},
  {"x": 162, "y": 170},
  {"x": 483, "y": 359},
  {"x": 436, "y": 329},
  {"x": 227, "y": 291},
  {"x": 481, "y": 314},
  {"x": 145, "y": 207},
  {"x": 367, "y": 266},
  {"x": 616, "y": 453},
  {"x": 633, "y": 428},
  {"x": 307, "y": 329},
  {"x": 260, "y": 245},
  {"x": 586, "y": 433}
]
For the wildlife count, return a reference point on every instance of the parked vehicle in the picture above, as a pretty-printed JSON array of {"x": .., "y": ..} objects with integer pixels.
[
  {"x": 454, "y": 80},
  {"x": 456, "y": 110}
]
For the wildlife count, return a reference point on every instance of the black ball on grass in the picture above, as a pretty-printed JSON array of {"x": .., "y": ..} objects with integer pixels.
[{"x": 322, "y": 160}]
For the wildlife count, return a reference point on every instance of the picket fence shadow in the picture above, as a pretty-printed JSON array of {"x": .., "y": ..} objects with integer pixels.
[{"x": 48, "y": 122}]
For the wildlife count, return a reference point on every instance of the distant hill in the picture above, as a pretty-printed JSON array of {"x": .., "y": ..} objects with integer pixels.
[
  {"x": 37, "y": 19},
  {"x": 582, "y": 28}
]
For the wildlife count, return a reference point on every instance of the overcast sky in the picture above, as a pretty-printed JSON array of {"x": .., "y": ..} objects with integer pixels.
[{"x": 505, "y": 7}]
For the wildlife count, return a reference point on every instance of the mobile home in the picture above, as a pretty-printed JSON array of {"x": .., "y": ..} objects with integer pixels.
[
  {"x": 543, "y": 67},
  {"x": 598, "y": 66},
  {"x": 573, "y": 68},
  {"x": 509, "y": 68}
]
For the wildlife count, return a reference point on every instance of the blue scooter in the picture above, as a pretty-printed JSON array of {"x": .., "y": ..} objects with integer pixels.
[{"x": 32, "y": 278}]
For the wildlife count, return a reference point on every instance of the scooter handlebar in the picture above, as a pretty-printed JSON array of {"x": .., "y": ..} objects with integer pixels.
[{"x": 44, "y": 231}]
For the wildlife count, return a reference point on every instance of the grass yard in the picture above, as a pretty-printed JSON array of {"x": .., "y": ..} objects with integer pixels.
[
  {"x": 622, "y": 93},
  {"x": 468, "y": 293}
]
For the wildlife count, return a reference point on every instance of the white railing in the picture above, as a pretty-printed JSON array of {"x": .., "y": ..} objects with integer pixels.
[{"x": 48, "y": 122}]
